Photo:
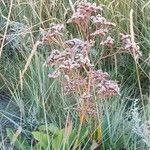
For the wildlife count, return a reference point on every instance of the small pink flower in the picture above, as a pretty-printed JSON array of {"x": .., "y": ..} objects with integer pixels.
[
  {"x": 99, "y": 75},
  {"x": 71, "y": 85},
  {"x": 54, "y": 32},
  {"x": 130, "y": 46},
  {"x": 74, "y": 43},
  {"x": 98, "y": 19},
  {"x": 55, "y": 58},
  {"x": 82, "y": 15},
  {"x": 81, "y": 20},
  {"x": 101, "y": 22},
  {"x": 107, "y": 88},
  {"x": 100, "y": 32},
  {"x": 87, "y": 8},
  {"x": 108, "y": 42},
  {"x": 69, "y": 65},
  {"x": 87, "y": 47}
]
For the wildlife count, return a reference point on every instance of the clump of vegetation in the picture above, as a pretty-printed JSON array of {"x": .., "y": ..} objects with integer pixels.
[{"x": 73, "y": 101}]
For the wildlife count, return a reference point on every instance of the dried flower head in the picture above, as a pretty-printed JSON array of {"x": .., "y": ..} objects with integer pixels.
[
  {"x": 101, "y": 22},
  {"x": 87, "y": 8},
  {"x": 82, "y": 15},
  {"x": 73, "y": 85},
  {"x": 107, "y": 88},
  {"x": 74, "y": 43},
  {"x": 69, "y": 65},
  {"x": 100, "y": 32},
  {"x": 130, "y": 46},
  {"x": 73, "y": 63},
  {"x": 98, "y": 19},
  {"x": 99, "y": 75},
  {"x": 108, "y": 42},
  {"x": 53, "y": 33},
  {"x": 55, "y": 58}
]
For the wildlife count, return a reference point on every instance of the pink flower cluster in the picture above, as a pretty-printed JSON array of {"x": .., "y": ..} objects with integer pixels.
[
  {"x": 108, "y": 42},
  {"x": 130, "y": 46},
  {"x": 73, "y": 62},
  {"x": 102, "y": 30},
  {"x": 82, "y": 15},
  {"x": 53, "y": 34},
  {"x": 104, "y": 86},
  {"x": 73, "y": 57},
  {"x": 101, "y": 22}
]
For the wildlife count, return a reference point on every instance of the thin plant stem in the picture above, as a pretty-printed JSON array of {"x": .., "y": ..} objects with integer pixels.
[
  {"x": 79, "y": 129},
  {"x": 7, "y": 24},
  {"x": 136, "y": 66}
]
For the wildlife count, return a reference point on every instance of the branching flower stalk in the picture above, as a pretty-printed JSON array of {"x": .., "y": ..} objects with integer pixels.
[{"x": 72, "y": 62}]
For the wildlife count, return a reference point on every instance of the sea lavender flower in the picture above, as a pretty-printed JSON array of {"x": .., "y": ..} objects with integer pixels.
[
  {"x": 53, "y": 33},
  {"x": 98, "y": 20},
  {"x": 73, "y": 63},
  {"x": 108, "y": 42},
  {"x": 74, "y": 43},
  {"x": 83, "y": 13},
  {"x": 88, "y": 107},
  {"x": 99, "y": 75},
  {"x": 69, "y": 65},
  {"x": 102, "y": 29},
  {"x": 107, "y": 88},
  {"x": 56, "y": 57},
  {"x": 81, "y": 20},
  {"x": 88, "y": 8},
  {"x": 130, "y": 46},
  {"x": 87, "y": 47},
  {"x": 100, "y": 32},
  {"x": 72, "y": 85},
  {"x": 101, "y": 22}
]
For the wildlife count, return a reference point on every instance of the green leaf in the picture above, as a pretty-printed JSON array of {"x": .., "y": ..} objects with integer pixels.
[
  {"x": 83, "y": 134},
  {"x": 42, "y": 138},
  {"x": 72, "y": 138},
  {"x": 97, "y": 134},
  {"x": 51, "y": 127},
  {"x": 57, "y": 140},
  {"x": 38, "y": 147}
]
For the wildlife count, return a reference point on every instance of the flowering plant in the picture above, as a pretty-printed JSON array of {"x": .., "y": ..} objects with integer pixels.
[{"x": 73, "y": 62}]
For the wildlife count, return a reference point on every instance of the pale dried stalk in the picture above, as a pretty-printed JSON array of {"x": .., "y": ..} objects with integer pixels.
[
  {"x": 29, "y": 61},
  {"x": 7, "y": 24}
]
